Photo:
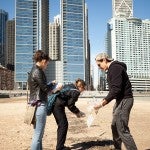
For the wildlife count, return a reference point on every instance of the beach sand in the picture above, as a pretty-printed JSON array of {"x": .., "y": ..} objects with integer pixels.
[{"x": 15, "y": 135}]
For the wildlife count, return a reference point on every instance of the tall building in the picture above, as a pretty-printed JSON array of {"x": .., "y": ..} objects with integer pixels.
[
  {"x": 54, "y": 39},
  {"x": 73, "y": 40},
  {"x": 128, "y": 40},
  {"x": 122, "y": 8},
  {"x": 88, "y": 78},
  {"x": 10, "y": 51},
  {"x": 10, "y": 44},
  {"x": 32, "y": 25},
  {"x": 3, "y": 20},
  {"x": 54, "y": 70}
]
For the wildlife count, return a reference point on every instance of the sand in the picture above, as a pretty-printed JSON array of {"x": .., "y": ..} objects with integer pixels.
[{"x": 15, "y": 135}]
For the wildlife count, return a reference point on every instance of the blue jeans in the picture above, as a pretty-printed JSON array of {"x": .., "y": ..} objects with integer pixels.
[{"x": 39, "y": 127}]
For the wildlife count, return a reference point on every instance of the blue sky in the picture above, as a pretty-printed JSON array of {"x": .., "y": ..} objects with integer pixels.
[
  {"x": 99, "y": 14},
  {"x": 99, "y": 11}
]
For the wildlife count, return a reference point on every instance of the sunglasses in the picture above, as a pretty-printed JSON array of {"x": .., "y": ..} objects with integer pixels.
[{"x": 98, "y": 65}]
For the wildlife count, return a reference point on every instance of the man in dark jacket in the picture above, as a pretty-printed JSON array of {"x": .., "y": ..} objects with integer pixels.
[
  {"x": 120, "y": 89},
  {"x": 68, "y": 98}
]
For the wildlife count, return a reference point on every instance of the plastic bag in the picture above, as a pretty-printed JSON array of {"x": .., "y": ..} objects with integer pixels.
[
  {"x": 90, "y": 120},
  {"x": 91, "y": 111},
  {"x": 57, "y": 87}
]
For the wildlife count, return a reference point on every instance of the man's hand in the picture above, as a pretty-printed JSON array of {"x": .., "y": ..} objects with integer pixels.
[
  {"x": 80, "y": 114},
  {"x": 101, "y": 104}
]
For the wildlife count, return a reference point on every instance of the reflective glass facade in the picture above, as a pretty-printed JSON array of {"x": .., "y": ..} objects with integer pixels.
[
  {"x": 31, "y": 19},
  {"x": 73, "y": 39}
]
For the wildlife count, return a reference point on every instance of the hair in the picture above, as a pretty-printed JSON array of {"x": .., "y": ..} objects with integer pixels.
[
  {"x": 40, "y": 55},
  {"x": 101, "y": 56},
  {"x": 101, "y": 60},
  {"x": 81, "y": 81}
]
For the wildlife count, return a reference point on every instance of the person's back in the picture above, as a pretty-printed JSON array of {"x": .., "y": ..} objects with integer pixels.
[
  {"x": 69, "y": 92},
  {"x": 68, "y": 95}
]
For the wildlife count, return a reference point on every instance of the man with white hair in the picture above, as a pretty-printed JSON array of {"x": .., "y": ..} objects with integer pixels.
[{"x": 120, "y": 89}]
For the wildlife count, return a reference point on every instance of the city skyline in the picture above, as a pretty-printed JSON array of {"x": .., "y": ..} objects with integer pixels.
[{"x": 99, "y": 14}]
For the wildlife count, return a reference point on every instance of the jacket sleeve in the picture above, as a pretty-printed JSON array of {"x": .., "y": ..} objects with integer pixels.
[
  {"x": 40, "y": 78},
  {"x": 73, "y": 94},
  {"x": 115, "y": 83}
]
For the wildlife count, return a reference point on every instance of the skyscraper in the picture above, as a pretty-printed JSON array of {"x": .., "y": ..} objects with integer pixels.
[
  {"x": 122, "y": 8},
  {"x": 54, "y": 39},
  {"x": 54, "y": 70},
  {"x": 88, "y": 74},
  {"x": 10, "y": 51},
  {"x": 3, "y": 20},
  {"x": 128, "y": 40},
  {"x": 73, "y": 40},
  {"x": 10, "y": 44},
  {"x": 32, "y": 25}
]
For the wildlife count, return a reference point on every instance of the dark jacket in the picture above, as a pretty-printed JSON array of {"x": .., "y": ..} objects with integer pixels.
[
  {"x": 118, "y": 82},
  {"x": 38, "y": 84},
  {"x": 70, "y": 97}
]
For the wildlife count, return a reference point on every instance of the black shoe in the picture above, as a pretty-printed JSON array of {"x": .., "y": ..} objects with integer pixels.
[
  {"x": 114, "y": 149},
  {"x": 66, "y": 148}
]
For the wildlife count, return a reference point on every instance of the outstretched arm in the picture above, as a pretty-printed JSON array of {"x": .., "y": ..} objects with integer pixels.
[{"x": 101, "y": 104}]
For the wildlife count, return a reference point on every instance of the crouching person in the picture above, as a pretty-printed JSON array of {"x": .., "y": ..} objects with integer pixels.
[{"x": 67, "y": 97}]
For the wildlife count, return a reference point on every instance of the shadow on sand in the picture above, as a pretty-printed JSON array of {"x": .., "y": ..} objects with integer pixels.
[{"x": 92, "y": 144}]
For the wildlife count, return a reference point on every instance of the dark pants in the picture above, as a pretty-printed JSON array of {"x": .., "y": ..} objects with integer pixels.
[
  {"x": 120, "y": 129},
  {"x": 61, "y": 120}
]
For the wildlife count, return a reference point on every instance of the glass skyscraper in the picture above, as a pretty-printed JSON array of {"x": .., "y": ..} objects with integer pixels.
[
  {"x": 73, "y": 47},
  {"x": 3, "y": 20},
  {"x": 32, "y": 21}
]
